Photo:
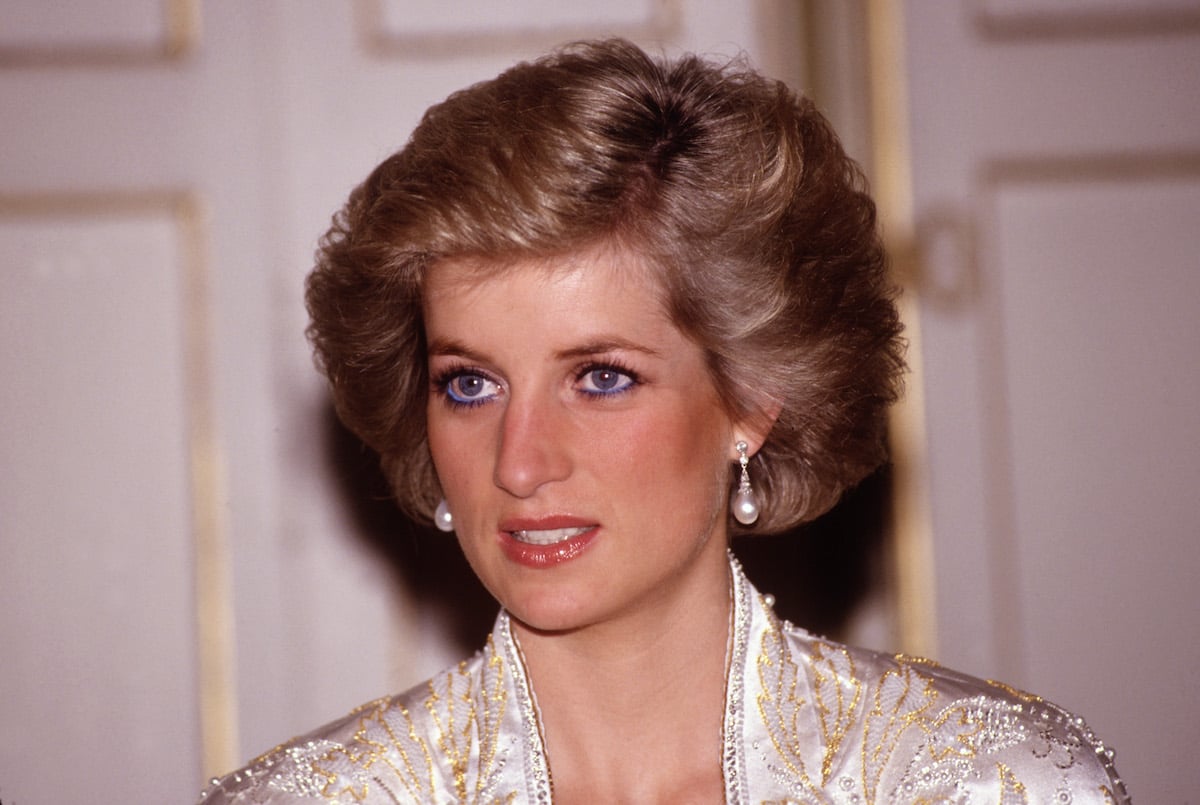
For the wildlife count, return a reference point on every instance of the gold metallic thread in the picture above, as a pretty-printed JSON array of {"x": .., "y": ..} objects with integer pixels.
[
  {"x": 902, "y": 730},
  {"x": 833, "y": 673}
]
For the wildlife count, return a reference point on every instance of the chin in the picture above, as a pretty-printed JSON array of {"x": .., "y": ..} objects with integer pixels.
[{"x": 549, "y": 614}]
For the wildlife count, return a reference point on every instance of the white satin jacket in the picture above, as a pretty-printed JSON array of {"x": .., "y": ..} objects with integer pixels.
[{"x": 806, "y": 721}]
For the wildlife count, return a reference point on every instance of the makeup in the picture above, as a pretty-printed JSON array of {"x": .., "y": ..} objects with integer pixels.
[{"x": 546, "y": 542}]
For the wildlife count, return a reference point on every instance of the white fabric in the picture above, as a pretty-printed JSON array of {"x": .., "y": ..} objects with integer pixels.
[{"x": 806, "y": 721}]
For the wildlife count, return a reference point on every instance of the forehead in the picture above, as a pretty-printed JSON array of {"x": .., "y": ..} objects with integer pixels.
[
  {"x": 590, "y": 296},
  {"x": 602, "y": 273}
]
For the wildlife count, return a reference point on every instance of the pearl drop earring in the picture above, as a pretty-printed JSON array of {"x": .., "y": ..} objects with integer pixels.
[
  {"x": 442, "y": 518},
  {"x": 745, "y": 502}
]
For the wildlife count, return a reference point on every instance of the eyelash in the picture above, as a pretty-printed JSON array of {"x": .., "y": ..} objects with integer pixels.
[
  {"x": 442, "y": 381},
  {"x": 441, "y": 384},
  {"x": 607, "y": 366}
]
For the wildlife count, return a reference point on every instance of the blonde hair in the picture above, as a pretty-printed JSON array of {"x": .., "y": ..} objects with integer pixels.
[{"x": 732, "y": 187}]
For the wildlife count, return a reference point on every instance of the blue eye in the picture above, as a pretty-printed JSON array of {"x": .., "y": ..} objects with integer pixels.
[
  {"x": 470, "y": 388},
  {"x": 604, "y": 380}
]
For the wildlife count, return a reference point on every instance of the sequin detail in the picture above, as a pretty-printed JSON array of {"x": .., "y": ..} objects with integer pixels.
[
  {"x": 806, "y": 721},
  {"x": 733, "y": 755}
]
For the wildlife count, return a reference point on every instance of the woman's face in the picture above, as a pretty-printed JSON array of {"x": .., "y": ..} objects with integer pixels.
[{"x": 578, "y": 438}]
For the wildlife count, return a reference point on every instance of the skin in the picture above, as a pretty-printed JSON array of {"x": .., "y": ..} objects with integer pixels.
[{"x": 562, "y": 394}]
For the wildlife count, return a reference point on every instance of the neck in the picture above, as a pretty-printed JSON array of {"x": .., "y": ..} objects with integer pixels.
[
  {"x": 671, "y": 629},
  {"x": 649, "y": 686}
]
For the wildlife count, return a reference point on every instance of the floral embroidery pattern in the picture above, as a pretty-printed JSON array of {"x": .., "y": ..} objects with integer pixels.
[
  {"x": 900, "y": 700},
  {"x": 838, "y": 693},
  {"x": 386, "y": 745},
  {"x": 881, "y": 729},
  {"x": 468, "y": 724},
  {"x": 782, "y": 709},
  {"x": 1012, "y": 791}
]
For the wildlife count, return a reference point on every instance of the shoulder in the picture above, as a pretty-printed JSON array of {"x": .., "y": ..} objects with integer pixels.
[
  {"x": 927, "y": 731},
  {"x": 386, "y": 751},
  {"x": 330, "y": 764},
  {"x": 470, "y": 732}
]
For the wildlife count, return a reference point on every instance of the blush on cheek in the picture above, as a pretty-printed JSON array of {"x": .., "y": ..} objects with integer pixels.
[
  {"x": 460, "y": 451},
  {"x": 685, "y": 446},
  {"x": 692, "y": 436}
]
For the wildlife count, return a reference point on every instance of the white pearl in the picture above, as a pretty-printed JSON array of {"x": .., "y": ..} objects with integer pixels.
[
  {"x": 744, "y": 507},
  {"x": 442, "y": 518}
]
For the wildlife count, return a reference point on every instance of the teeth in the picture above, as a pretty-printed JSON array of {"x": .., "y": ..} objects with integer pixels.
[{"x": 548, "y": 537}]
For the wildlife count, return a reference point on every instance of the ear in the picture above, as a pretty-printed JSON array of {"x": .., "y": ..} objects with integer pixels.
[{"x": 753, "y": 429}]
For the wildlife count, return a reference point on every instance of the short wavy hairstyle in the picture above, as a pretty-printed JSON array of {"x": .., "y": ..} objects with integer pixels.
[{"x": 731, "y": 187}]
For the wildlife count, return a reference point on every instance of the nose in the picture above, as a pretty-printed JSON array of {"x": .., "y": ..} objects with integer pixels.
[{"x": 533, "y": 448}]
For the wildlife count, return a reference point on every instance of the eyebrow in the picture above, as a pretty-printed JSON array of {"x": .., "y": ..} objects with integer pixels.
[
  {"x": 449, "y": 346},
  {"x": 453, "y": 347},
  {"x": 602, "y": 345}
]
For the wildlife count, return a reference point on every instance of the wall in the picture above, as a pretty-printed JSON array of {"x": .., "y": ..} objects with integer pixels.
[
  {"x": 182, "y": 583},
  {"x": 1056, "y": 186}
]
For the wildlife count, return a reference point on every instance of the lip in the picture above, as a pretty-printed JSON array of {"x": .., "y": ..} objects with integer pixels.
[{"x": 558, "y": 549}]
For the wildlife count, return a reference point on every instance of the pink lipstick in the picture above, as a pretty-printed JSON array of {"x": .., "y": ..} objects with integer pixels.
[{"x": 544, "y": 542}]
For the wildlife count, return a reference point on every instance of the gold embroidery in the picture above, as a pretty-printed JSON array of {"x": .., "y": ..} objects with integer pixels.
[
  {"x": 454, "y": 742},
  {"x": 780, "y": 707},
  {"x": 928, "y": 738},
  {"x": 913, "y": 659},
  {"x": 462, "y": 714},
  {"x": 463, "y": 710},
  {"x": 341, "y": 766},
  {"x": 1016, "y": 693},
  {"x": 1012, "y": 790},
  {"x": 494, "y": 698},
  {"x": 900, "y": 700},
  {"x": 778, "y": 704},
  {"x": 838, "y": 694},
  {"x": 958, "y": 731},
  {"x": 415, "y": 770}
]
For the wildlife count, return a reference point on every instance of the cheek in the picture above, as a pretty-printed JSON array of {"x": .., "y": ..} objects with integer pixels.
[
  {"x": 682, "y": 451},
  {"x": 452, "y": 450},
  {"x": 437, "y": 437}
]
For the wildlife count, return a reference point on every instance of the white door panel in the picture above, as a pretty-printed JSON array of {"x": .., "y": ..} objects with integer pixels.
[
  {"x": 177, "y": 561},
  {"x": 1059, "y": 150}
]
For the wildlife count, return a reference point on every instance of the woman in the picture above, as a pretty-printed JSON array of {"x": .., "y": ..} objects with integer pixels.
[{"x": 599, "y": 315}]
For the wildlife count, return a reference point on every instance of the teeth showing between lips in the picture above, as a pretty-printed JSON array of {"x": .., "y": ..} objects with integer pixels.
[{"x": 548, "y": 537}]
